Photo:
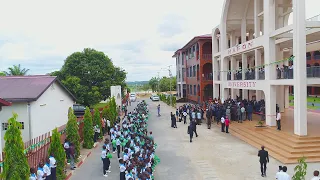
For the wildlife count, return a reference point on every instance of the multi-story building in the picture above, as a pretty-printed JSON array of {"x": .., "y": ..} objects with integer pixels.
[
  {"x": 194, "y": 69},
  {"x": 258, "y": 54}
]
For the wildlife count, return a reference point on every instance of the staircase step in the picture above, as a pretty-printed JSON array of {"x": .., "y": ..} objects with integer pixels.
[{"x": 276, "y": 149}]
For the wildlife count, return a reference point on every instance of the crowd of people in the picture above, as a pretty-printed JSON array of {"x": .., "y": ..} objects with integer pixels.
[
  {"x": 135, "y": 148},
  {"x": 46, "y": 170}
]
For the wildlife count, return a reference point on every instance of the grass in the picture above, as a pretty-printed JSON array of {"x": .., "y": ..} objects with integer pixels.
[
  {"x": 309, "y": 100},
  {"x": 99, "y": 105}
]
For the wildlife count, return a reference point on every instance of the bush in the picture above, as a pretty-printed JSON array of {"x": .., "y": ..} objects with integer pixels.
[
  {"x": 16, "y": 165},
  {"x": 58, "y": 152},
  {"x": 72, "y": 131},
  {"x": 88, "y": 130},
  {"x": 300, "y": 171}
]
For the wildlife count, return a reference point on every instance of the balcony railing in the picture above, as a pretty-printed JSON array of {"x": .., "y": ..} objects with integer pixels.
[
  {"x": 207, "y": 77},
  {"x": 313, "y": 71},
  {"x": 207, "y": 57}
]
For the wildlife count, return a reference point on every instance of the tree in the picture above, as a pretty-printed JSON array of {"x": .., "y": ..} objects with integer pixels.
[
  {"x": 113, "y": 111},
  {"x": 58, "y": 152},
  {"x": 145, "y": 87},
  {"x": 16, "y": 165},
  {"x": 88, "y": 130},
  {"x": 164, "y": 84},
  {"x": 154, "y": 82},
  {"x": 97, "y": 120},
  {"x": 16, "y": 70},
  {"x": 72, "y": 131},
  {"x": 2, "y": 74},
  {"x": 89, "y": 75}
]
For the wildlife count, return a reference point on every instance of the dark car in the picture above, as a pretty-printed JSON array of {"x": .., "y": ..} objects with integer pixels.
[{"x": 79, "y": 110}]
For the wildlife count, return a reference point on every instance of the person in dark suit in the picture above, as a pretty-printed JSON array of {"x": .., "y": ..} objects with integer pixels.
[
  {"x": 190, "y": 132},
  {"x": 264, "y": 159},
  {"x": 193, "y": 125}
]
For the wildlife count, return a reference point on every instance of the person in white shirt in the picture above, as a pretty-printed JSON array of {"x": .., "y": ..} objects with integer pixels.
[
  {"x": 105, "y": 161},
  {"x": 283, "y": 175},
  {"x": 53, "y": 166},
  {"x": 222, "y": 124},
  {"x": 47, "y": 169},
  {"x": 108, "y": 126},
  {"x": 185, "y": 117},
  {"x": 66, "y": 148},
  {"x": 33, "y": 175},
  {"x": 278, "y": 118},
  {"x": 316, "y": 175},
  {"x": 41, "y": 175},
  {"x": 122, "y": 169},
  {"x": 118, "y": 143}
]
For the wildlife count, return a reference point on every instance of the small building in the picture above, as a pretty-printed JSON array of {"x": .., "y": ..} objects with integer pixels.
[{"x": 41, "y": 103}]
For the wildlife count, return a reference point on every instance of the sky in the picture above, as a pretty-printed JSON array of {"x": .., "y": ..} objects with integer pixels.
[{"x": 140, "y": 36}]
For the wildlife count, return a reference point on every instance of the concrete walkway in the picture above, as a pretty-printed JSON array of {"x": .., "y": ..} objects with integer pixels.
[{"x": 212, "y": 155}]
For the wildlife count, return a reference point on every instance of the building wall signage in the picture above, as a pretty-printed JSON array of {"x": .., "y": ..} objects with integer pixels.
[
  {"x": 242, "y": 84},
  {"x": 241, "y": 47}
]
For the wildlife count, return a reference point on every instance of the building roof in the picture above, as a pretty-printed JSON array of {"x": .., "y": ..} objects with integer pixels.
[
  {"x": 26, "y": 88},
  {"x": 4, "y": 102},
  {"x": 192, "y": 41}
]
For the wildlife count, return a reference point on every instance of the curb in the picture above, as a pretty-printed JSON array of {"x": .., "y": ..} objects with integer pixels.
[{"x": 82, "y": 161}]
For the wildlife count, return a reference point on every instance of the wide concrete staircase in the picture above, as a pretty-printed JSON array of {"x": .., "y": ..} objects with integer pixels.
[{"x": 286, "y": 148}]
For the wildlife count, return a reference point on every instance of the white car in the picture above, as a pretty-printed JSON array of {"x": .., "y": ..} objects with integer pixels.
[
  {"x": 133, "y": 97},
  {"x": 155, "y": 98}
]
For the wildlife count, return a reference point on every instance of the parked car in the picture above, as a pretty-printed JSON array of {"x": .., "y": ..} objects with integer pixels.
[
  {"x": 155, "y": 98},
  {"x": 133, "y": 97},
  {"x": 79, "y": 110}
]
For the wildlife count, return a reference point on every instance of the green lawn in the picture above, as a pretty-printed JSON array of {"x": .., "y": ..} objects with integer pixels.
[
  {"x": 100, "y": 105},
  {"x": 309, "y": 100}
]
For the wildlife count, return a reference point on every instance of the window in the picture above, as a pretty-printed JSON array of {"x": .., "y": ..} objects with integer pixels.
[
  {"x": 187, "y": 72},
  {"x": 190, "y": 73},
  {"x": 191, "y": 89},
  {"x": 194, "y": 89},
  {"x": 194, "y": 71},
  {"x": 5, "y": 126}
]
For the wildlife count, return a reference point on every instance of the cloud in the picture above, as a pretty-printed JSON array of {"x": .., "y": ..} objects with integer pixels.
[
  {"x": 140, "y": 37},
  {"x": 171, "y": 25}
]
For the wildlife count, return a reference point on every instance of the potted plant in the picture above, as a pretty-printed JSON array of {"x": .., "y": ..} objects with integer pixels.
[{"x": 260, "y": 125}]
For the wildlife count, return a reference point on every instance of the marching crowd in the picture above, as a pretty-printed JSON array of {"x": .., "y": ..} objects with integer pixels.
[{"x": 130, "y": 138}]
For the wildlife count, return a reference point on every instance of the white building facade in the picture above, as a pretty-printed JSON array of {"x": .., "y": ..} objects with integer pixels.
[
  {"x": 116, "y": 93},
  {"x": 40, "y": 112},
  {"x": 255, "y": 38}
]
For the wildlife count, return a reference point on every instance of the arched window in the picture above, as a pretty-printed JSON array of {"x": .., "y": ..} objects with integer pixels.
[{"x": 316, "y": 55}]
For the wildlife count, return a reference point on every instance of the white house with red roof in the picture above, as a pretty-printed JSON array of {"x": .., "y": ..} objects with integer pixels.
[{"x": 41, "y": 103}]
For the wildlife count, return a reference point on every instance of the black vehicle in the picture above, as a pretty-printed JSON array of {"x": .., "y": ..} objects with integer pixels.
[{"x": 79, "y": 110}]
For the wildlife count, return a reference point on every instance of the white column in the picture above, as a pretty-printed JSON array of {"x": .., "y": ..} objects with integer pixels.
[
  {"x": 215, "y": 91},
  {"x": 286, "y": 96},
  {"x": 270, "y": 92},
  {"x": 243, "y": 30},
  {"x": 244, "y": 65},
  {"x": 232, "y": 39},
  {"x": 233, "y": 66},
  {"x": 257, "y": 54},
  {"x": 269, "y": 47},
  {"x": 256, "y": 18},
  {"x": 299, "y": 51},
  {"x": 250, "y": 34},
  {"x": 280, "y": 97}
]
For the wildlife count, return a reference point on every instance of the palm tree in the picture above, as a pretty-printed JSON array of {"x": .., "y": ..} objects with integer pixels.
[{"x": 16, "y": 70}]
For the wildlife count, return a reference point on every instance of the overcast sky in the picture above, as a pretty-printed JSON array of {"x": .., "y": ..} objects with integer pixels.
[{"x": 139, "y": 35}]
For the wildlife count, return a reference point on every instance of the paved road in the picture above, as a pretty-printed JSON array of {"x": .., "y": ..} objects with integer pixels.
[{"x": 211, "y": 156}]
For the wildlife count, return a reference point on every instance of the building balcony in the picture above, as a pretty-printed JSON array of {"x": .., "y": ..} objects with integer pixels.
[
  {"x": 207, "y": 77},
  {"x": 206, "y": 57}
]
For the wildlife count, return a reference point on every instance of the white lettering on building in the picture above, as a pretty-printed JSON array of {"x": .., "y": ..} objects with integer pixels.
[
  {"x": 242, "y": 84},
  {"x": 241, "y": 47}
]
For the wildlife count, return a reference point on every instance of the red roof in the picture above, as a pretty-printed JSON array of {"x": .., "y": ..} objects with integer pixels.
[
  {"x": 194, "y": 40},
  {"x": 4, "y": 102},
  {"x": 26, "y": 88}
]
